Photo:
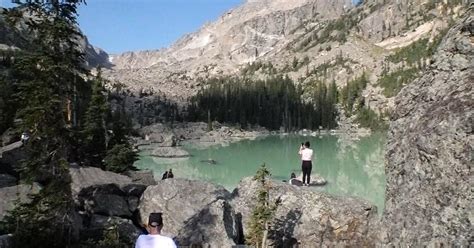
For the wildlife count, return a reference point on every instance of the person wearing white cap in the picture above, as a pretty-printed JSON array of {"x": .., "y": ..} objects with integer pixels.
[{"x": 154, "y": 239}]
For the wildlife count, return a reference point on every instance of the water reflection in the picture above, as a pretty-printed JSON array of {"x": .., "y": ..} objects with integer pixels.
[{"x": 351, "y": 167}]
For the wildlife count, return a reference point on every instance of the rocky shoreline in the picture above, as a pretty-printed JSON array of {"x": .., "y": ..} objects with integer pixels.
[
  {"x": 166, "y": 141},
  {"x": 202, "y": 213}
]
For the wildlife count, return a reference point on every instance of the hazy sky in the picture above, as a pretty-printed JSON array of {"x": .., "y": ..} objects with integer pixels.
[{"x": 129, "y": 25}]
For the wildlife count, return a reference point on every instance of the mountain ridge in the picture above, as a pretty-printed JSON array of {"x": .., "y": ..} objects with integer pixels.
[{"x": 314, "y": 32}]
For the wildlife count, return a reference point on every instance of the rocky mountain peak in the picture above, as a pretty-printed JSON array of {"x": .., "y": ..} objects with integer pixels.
[
  {"x": 238, "y": 36},
  {"x": 253, "y": 31}
]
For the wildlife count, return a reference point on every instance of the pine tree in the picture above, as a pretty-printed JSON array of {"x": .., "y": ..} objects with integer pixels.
[
  {"x": 263, "y": 212},
  {"x": 46, "y": 77},
  {"x": 94, "y": 132}
]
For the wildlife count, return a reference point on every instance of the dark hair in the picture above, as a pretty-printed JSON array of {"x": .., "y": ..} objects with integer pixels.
[
  {"x": 306, "y": 144},
  {"x": 155, "y": 219},
  {"x": 292, "y": 175}
]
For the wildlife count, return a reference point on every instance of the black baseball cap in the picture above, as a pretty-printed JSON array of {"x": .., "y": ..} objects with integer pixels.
[{"x": 155, "y": 219}]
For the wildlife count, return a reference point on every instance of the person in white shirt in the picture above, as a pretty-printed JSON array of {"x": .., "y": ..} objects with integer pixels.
[
  {"x": 306, "y": 165},
  {"x": 154, "y": 239}
]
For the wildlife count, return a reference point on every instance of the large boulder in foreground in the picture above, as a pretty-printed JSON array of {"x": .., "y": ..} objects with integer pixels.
[
  {"x": 194, "y": 212},
  {"x": 6, "y": 241},
  {"x": 7, "y": 180},
  {"x": 85, "y": 177},
  {"x": 108, "y": 200},
  {"x": 144, "y": 177},
  {"x": 312, "y": 219},
  {"x": 98, "y": 225},
  {"x": 8, "y": 196},
  {"x": 429, "y": 194},
  {"x": 96, "y": 191},
  {"x": 11, "y": 156}
]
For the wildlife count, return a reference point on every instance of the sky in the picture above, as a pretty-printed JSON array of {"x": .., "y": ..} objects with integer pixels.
[{"x": 130, "y": 25}]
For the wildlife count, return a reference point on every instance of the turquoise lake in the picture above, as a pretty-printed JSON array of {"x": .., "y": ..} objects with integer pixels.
[{"x": 354, "y": 168}]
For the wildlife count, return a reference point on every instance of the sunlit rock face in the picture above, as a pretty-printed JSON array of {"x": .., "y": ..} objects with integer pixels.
[
  {"x": 256, "y": 30},
  {"x": 309, "y": 218},
  {"x": 194, "y": 212},
  {"x": 429, "y": 193}
]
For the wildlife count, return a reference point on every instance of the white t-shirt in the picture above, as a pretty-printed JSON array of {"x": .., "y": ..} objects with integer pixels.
[
  {"x": 154, "y": 241},
  {"x": 306, "y": 154}
]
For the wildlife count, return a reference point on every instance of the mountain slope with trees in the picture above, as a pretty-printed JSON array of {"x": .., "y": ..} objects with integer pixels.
[{"x": 312, "y": 42}]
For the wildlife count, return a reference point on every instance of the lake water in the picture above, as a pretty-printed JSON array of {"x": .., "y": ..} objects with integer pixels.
[{"x": 353, "y": 168}]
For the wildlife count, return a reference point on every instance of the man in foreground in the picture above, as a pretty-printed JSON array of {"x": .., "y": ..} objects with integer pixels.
[{"x": 154, "y": 239}]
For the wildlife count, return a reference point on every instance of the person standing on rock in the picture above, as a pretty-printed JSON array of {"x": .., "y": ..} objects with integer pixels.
[
  {"x": 154, "y": 239},
  {"x": 306, "y": 165}
]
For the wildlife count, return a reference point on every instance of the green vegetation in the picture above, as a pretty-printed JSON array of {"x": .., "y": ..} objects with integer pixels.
[
  {"x": 263, "y": 212},
  {"x": 322, "y": 70},
  {"x": 120, "y": 158},
  {"x": 47, "y": 89},
  {"x": 333, "y": 31},
  {"x": 272, "y": 103},
  {"x": 417, "y": 52},
  {"x": 352, "y": 101},
  {"x": 46, "y": 77},
  {"x": 431, "y": 4},
  {"x": 415, "y": 56},
  {"x": 110, "y": 239},
  {"x": 369, "y": 119},
  {"x": 394, "y": 82},
  {"x": 351, "y": 95},
  {"x": 94, "y": 132},
  {"x": 266, "y": 68}
]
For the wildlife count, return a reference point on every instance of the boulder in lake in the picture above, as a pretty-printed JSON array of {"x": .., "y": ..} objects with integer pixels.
[
  {"x": 312, "y": 219},
  {"x": 194, "y": 212},
  {"x": 170, "y": 152},
  {"x": 315, "y": 180}
]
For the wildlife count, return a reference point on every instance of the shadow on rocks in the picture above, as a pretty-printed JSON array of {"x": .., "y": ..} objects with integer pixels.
[{"x": 281, "y": 232}]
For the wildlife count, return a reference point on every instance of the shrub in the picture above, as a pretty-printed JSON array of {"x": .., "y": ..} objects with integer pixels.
[
  {"x": 369, "y": 119},
  {"x": 120, "y": 158}
]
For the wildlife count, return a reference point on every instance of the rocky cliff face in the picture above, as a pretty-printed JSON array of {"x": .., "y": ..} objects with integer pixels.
[
  {"x": 240, "y": 35},
  {"x": 429, "y": 193}
]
